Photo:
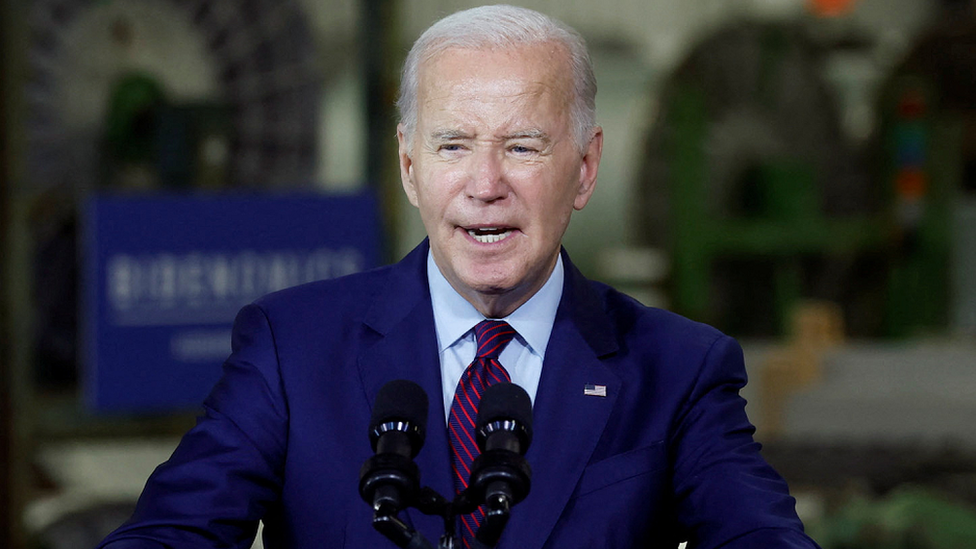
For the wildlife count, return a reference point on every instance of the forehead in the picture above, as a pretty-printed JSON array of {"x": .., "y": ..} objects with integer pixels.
[{"x": 495, "y": 74}]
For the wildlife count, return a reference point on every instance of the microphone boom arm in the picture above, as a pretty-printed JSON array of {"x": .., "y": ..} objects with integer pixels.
[{"x": 398, "y": 532}]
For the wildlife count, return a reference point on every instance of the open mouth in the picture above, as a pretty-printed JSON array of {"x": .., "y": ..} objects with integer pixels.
[{"x": 489, "y": 235}]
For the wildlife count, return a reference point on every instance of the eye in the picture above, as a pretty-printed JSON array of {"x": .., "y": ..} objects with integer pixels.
[
  {"x": 451, "y": 147},
  {"x": 521, "y": 149}
]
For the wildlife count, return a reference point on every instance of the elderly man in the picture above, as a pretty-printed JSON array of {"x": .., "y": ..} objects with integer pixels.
[{"x": 641, "y": 439}]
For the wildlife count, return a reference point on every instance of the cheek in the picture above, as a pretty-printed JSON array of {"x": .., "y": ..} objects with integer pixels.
[
  {"x": 435, "y": 191},
  {"x": 533, "y": 173},
  {"x": 559, "y": 208}
]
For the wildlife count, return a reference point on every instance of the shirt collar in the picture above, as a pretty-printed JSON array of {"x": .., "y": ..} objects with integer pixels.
[{"x": 454, "y": 316}]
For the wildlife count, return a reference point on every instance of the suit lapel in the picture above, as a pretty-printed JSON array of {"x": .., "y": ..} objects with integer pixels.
[
  {"x": 567, "y": 423},
  {"x": 406, "y": 348}
]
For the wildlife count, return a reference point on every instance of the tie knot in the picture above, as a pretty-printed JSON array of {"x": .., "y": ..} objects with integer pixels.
[{"x": 492, "y": 337}]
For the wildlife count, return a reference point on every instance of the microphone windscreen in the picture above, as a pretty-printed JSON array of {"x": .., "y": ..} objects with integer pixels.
[
  {"x": 506, "y": 401},
  {"x": 401, "y": 400}
]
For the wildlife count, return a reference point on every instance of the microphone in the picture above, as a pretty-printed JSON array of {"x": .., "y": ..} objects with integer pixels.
[
  {"x": 505, "y": 419},
  {"x": 390, "y": 480},
  {"x": 399, "y": 420},
  {"x": 500, "y": 476}
]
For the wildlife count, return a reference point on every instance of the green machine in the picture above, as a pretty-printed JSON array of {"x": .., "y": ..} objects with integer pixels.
[{"x": 761, "y": 201}]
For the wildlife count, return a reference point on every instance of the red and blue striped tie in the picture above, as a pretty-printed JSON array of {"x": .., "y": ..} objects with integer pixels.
[{"x": 492, "y": 336}]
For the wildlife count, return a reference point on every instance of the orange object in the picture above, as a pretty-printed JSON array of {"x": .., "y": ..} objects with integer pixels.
[
  {"x": 911, "y": 183},
  {"x": 830, "y": 8}
]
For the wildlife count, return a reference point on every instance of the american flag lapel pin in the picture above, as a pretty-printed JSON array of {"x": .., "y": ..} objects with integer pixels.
[{"x": 595, "y": 390}]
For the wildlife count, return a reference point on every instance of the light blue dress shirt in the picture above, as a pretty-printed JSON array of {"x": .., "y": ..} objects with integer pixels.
[{"x": 455, "y": 318}]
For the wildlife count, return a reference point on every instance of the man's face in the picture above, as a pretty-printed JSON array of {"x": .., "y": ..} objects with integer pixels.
[{"x": 494, "y": 168}]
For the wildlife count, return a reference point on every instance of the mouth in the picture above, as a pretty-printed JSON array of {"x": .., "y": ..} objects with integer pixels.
[{"x": 490, "y": 235}]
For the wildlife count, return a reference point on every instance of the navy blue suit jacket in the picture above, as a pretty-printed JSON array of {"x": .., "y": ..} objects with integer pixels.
[{"x": 667, "y": 455}]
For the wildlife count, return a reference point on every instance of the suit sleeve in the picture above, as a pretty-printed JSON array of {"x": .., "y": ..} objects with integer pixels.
[
  {"x": 727, "y": 495},
  {"x": 226, "y": 472}
]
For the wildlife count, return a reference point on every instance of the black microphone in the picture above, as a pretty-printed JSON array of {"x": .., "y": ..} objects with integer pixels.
[
  {"x": 500, "y": 476},
  {"x": 390, "y": 480},
  {"x": 399, "y": 420},
  {"x": 505, "y": 419}
]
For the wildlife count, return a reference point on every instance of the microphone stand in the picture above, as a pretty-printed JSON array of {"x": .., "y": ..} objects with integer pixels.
[
  {"x": 386, "y": 522},
  {"x": 497, "y": 512},
  {"x": 429, "y": 502},
  {"x": 499, "y": 479}
]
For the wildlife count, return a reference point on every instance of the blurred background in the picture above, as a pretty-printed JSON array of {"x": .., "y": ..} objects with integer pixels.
[{"x": 799, "y": 173}]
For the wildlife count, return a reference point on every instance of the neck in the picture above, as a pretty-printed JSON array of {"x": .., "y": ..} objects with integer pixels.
[
  {"x": 497, "y": 305},
  {"x": 501, "y": 302}
]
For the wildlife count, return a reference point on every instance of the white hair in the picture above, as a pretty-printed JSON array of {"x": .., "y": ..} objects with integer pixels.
[{"x": 502, "y": 26}]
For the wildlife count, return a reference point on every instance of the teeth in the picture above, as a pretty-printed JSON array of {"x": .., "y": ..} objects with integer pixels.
[{"x": 489, "y": 238}]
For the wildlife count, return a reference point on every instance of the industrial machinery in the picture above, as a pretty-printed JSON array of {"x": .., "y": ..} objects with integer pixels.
[{"x": 761, "y": 199}]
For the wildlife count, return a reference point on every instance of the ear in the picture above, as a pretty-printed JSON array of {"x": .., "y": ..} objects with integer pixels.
[
  {"x": 589, "y": 166},
  {"x": 406, "y": 166}
]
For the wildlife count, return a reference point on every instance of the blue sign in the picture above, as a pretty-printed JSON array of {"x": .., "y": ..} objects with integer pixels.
[{"x": 166, "y": 275}]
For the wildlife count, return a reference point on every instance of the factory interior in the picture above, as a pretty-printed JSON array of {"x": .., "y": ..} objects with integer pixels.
[{"x": 800, "y": 174}]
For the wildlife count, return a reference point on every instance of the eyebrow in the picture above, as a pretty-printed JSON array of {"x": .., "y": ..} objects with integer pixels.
[
  {"x": 533, "y": 133},
  {"x": 447, "y": 135},
  {"x": 453, "y": 134}
]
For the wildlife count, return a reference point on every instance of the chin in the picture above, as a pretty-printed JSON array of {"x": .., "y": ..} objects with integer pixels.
[
  {"x": 490, "y": 284},
  {"x": 490, "y": 287}
]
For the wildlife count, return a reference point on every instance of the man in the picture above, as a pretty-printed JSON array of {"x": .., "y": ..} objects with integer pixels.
[{"x": 641, "y": 439}]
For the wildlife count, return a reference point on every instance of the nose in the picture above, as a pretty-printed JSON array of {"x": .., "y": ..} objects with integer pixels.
[{"x": 487, "y": 182}]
